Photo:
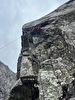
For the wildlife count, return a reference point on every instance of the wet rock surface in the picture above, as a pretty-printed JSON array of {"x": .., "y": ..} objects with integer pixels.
[{"x": 47, "y": 59}]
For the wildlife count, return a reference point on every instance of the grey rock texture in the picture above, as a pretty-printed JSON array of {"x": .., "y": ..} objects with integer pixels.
[
  {"x": 7, "y": 79},
  {"x": 46, "y": 65}
]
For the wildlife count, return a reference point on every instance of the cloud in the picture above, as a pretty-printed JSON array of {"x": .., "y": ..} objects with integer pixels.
[{"x": 15, "y": 13}]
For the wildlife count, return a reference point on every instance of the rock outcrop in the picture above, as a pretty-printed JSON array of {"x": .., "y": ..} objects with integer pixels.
[
  {"x": 46, "y": 65},
  {"x": 7, "y": 79}
]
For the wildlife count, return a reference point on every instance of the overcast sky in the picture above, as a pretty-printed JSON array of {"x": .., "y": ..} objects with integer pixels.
[{"x": 15, "y": 13}]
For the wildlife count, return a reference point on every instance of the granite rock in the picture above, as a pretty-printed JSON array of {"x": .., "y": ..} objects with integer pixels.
[
  {"x": 7, "y": 79},
  {"x": 46, "y": 64}
]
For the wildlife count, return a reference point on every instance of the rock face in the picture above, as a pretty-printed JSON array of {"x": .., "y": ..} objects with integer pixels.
[
  {"x": 46, "y": 65},
  {"x": 7, "y": 79}
]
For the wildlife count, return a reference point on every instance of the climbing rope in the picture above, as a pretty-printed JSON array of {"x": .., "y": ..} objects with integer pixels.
[
  {"x": 17, "y": 39},
  {"x": 9, "y": 43},
  {"x": 45, "y": 78}
]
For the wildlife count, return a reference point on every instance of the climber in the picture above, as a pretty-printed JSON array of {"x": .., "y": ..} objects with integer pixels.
[
  {"x": 40, "y": 28},
  {"x": 36, "y": 30}
]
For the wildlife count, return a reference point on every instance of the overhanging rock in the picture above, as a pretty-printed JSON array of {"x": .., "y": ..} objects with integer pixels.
[{"x": 47, "y": 61}]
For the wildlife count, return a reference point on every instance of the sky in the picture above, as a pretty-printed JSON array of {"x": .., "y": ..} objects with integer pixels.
[{"x": 13, "y": 15}]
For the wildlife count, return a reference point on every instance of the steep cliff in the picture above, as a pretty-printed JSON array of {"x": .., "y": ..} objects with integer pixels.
[
  {"x": 7, "y": 79},
  {"x": 46, "y": 65}
]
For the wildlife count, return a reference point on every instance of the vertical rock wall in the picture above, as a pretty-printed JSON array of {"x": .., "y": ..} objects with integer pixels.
[{"x": 46, "y": 65}]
